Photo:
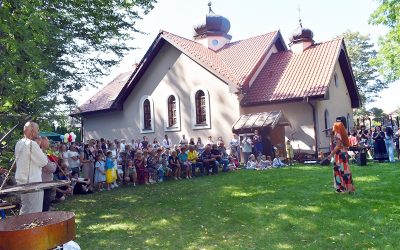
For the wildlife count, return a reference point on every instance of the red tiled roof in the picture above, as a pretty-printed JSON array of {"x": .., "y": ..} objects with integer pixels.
[
  {"x": 235, "y": 61},
  {"x": 289, "y": 76},
  {"x": 201, "y": 54},
  {"x": 103, "y": 99},
  {"x": 243, "y": 56}
]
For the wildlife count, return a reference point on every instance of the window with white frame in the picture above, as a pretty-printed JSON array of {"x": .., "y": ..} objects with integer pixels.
[
  {"x": 146, "y": 114},
  {"x": 200, "y": 100},
  {"x": 172, "y": 113},
  {"x": 201, "y": 112}
]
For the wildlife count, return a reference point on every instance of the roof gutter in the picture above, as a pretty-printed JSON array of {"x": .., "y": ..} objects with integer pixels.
[{"x": 307, "y": 100}]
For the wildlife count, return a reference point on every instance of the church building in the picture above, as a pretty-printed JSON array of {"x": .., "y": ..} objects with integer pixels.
[{"x": 212, "y": 86}]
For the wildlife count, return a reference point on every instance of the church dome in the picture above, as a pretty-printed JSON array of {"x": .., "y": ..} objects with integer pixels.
[
  {"x": 213, "y": 24},
  {"x": 301, "y": 34}
]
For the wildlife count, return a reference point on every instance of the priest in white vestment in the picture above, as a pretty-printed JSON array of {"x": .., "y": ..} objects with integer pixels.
[{"x": 30, "y": 160}]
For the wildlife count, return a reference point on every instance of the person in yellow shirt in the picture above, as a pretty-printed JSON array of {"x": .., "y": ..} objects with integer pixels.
[{"x": 193, "y": 157}]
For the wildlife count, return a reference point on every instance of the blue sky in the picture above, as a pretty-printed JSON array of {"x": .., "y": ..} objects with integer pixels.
[{"x": 326, "y": 19}]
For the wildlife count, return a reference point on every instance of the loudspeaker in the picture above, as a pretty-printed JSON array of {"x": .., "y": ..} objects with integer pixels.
[{"x": 362, "y": 159}]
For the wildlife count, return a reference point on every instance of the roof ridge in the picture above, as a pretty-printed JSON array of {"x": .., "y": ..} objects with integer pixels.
[
  {"x": 329, "y": 41},
  {"x": 245, "y": 39},
  {"x": 231, "y": 75}
]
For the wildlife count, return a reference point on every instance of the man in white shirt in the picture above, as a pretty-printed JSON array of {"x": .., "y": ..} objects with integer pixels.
[
  {"x": 122, "y": 145},
  {"x": 167, "y": 143},
  {"x": 183, "y": 142},
  {"x": 30, "y": 160}
]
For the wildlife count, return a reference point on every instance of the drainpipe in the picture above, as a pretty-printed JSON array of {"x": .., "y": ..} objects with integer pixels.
[
  {"x": 82, "y": 140},
  {"x": 315, "y": 126}
]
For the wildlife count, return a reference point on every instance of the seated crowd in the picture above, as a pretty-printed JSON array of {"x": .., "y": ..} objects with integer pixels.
[{"x": 105, "y": 164}]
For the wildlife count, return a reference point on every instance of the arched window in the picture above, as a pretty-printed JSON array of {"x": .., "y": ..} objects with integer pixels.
[
  {"x": 326, "y": 122},
  {"x": 172, "y": 115},
  {"x": 336, "y": 79},
  {"x": 201, "y": 109},
  {"x": 146, "y": 115}
]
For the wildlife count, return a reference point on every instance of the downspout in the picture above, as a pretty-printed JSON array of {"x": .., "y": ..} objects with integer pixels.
[
  {"x": 315, "y": 127},
  {"x": 82, "y": 139}
]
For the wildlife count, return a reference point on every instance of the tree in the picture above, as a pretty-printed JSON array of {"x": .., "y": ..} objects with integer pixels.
[
  {"x": 378, "y": 114},
  {"x": 361, "y": 53},
  {"x": 388, "y": 14},
  {"x": 50, "y": 48}
]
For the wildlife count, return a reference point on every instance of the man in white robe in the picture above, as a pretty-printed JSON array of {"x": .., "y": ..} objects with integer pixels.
[{"x": 30, "y": 160}]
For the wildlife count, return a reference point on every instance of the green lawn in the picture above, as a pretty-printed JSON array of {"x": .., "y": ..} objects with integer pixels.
[{"x": 277, "y": 209}]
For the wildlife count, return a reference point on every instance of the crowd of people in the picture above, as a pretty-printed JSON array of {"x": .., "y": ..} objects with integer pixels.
[
  {"x": 102, "y": 164},
  {"x": 380, "y": 143},
  {"x": 99, "y": 165}
]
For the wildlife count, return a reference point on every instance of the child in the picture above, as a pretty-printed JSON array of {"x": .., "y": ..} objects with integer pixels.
[
  {"x": 81, "y": 185},
  {"x": 277, "y": 163},
  {"x": 251, "y": 163},
  {"x": 289, "y": 152},
  {"x": 163, "y": 169},
  {"x": 66, "y": 190},
  {"x": 130, "y": 173},
  {"x": 263, "y": 164},
  {"x": 100, "y": 174},
  {"x": 110, "y": 171},
  {"x": 175, "y": 165},
  {"x": 185, "y": 163},
  {"x": 121, "y": 165},
  {"x": 233, "y": 161},
  {"x": 140, "y": 164},
  {"x": 152, "y": 166}
]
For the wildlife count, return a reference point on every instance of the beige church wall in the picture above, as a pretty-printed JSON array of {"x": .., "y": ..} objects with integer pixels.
[
  {"x": 299, "y": 114},
  {"x": 105, "y": 125},
  {"x": 337, "y": 104},
  {"x": 171, "y": 72}
]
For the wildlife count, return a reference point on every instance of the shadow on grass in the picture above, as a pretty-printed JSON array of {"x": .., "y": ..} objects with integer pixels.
[{"x": 282, "y": 208}]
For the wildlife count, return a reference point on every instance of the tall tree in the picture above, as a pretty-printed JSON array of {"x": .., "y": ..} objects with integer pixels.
[
  {"x": 361, "y": 52},
  {"x": 50, "y": 48},
  {"x": 388, "y": 14}
]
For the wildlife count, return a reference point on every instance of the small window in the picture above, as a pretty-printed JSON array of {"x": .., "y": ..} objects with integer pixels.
[
  {"x": 201, "y": 109},
  {"x": 172, "y": 115},
  {"x": 147, "y": 115},
  {"x": 336, "y": 79},
  {"x": 326, "y": 120}
]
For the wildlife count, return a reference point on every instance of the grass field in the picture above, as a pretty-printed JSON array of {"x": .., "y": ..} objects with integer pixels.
[{"x": 276, "y": 209}]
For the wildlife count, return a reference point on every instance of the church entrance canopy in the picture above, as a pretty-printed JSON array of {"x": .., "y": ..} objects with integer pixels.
[{"x": 247, "y": 123}]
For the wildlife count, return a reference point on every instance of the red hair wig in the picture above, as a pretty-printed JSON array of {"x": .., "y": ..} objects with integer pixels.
[{"x": 339, "y": 128}]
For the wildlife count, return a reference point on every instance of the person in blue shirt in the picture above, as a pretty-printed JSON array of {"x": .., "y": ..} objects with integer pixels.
[{"x": 185, "y": 163}]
